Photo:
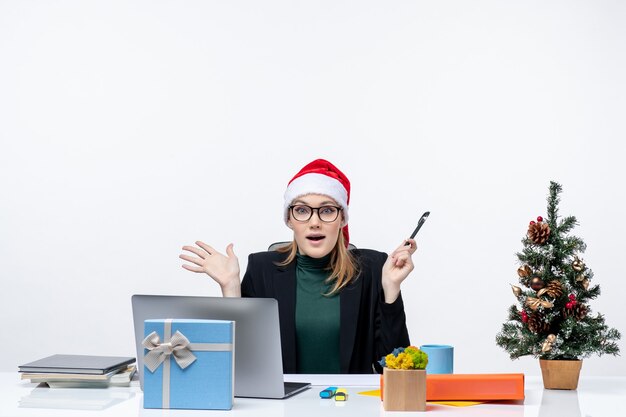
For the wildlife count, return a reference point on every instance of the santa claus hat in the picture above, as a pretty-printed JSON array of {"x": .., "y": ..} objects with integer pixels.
[{"x": 320, "y": 177}]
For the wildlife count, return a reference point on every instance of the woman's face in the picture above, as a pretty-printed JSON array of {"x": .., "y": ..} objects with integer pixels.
[{"x": 314, "y": 237}]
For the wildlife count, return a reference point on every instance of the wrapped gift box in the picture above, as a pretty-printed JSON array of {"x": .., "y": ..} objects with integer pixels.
[{"x": 189, "y": 364}]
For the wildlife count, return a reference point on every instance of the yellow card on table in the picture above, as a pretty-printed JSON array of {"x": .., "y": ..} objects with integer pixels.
[
  {"x": 376, "y": 393},
  {"x": 372, "y": 393}
]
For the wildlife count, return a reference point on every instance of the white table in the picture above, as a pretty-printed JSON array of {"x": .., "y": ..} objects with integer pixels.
[{"x": 596, "y": 396}]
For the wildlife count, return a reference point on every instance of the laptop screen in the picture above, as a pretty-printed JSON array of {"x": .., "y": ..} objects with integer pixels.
[{"x": 258, "y": 358}]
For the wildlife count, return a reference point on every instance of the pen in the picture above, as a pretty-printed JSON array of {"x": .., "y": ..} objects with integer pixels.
[{"x": 420, "y": 223}]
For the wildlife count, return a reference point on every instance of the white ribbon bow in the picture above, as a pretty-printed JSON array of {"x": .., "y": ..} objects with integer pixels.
[{"x": 178, "y": 346}]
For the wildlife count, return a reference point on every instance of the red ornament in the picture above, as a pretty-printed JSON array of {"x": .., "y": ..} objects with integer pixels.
[
  {"x": 572, "y": 297},
  {"x": 524, "y": 316},
  {"x": 532, "y": 222},
  {"x": 539, "y": 218},
  {"x": 569, "y": 305}
]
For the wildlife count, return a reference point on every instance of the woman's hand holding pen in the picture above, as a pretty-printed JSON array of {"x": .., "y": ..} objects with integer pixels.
[
  {"x": 397, "y": 267},
  {"x": 224, "y": 269}
]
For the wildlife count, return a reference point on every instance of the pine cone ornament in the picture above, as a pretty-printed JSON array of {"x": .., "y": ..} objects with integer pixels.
[
  {"x": 554, "y": 289},
  {"x": 578, "y": 311},
  {"x": 537, "y": 324},
  {"x": 539, "y": 232}
]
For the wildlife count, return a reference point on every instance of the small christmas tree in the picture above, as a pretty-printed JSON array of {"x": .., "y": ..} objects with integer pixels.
[{"x": 554, "y": 319}]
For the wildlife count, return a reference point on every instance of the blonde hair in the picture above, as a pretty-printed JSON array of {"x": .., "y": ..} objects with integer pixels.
[{"x": 343, "y": 265}]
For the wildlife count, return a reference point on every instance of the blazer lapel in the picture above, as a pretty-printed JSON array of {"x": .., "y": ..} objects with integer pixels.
[
  {"x": 285, "y": 292},
  {"x": 349, "y": 305}
]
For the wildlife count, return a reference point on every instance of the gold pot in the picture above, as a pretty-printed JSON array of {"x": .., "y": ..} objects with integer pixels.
[{"x": 560, "y": 374}]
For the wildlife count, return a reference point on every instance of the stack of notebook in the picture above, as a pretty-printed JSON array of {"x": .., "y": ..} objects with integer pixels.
[{"x": 76, "y": 371}]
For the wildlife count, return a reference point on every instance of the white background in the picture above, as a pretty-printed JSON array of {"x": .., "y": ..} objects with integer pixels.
[{"x": 131, "y": 128}]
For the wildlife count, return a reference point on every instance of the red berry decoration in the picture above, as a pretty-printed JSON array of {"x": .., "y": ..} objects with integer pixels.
[
  {"x": 524, "y": 316},
  {"x": 572, "y": 297},
  {"x": 539, "y": 218},
  {"x": 569, "y": 305},
  {"x": 532, "y": 222}
]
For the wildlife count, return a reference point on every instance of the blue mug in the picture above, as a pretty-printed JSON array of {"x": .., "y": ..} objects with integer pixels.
[{"x": 440, "y": 358}]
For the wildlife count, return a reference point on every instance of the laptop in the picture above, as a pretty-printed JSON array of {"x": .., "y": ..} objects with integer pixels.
[{"x": 258, "y": 354}]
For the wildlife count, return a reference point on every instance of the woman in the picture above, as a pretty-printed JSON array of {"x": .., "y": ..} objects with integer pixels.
[{"x": 340, "y": 310}]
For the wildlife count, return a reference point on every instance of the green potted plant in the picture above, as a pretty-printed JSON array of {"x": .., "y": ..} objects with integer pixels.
[
  {"x": 403, "y": 383},
  {"x": 552, "y": 319}
]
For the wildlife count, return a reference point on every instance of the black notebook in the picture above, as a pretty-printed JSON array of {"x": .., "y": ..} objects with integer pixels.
[{"x": 77, "y": 364}]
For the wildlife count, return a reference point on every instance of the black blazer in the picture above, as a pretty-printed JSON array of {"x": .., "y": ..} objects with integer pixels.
[{"x": 369, "y": 329}]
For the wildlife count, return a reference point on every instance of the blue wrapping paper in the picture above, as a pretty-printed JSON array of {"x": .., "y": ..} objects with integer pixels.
[{"x": 208, "y": 382}]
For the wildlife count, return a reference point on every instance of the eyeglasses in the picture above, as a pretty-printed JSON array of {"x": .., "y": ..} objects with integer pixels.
[{"x": 327, "y": 214}]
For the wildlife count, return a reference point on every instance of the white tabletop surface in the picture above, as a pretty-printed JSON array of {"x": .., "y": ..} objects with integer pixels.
[{"x": 596, "y": 396}]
